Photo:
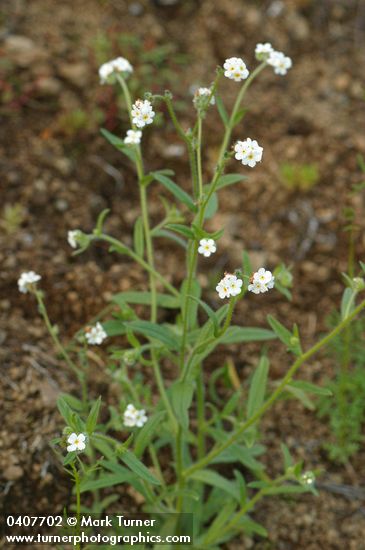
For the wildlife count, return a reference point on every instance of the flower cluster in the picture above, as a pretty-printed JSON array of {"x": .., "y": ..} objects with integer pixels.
[
  {"x": 263, "y": 51},
  {"x": 95, "y": 335},
  {"x": 261, "y": 281},
  {"x": 308, "y": 478},
  {"x": 108, "y": 70},
  {"x": 133, "y": 137},
  {"x": 27, "y": 280},
  {"x": 229, "y": 286},
  {"x": 248, "y": 152},
  {"x": 76, "y": 442},
  {"x": 279, "y": 61},
  {"x": 142, "y": 113},
  {"x": 207, "y": 247},
  {"x": 201, "y": 95},
  {"x": 133, "y": 417},
  {"x": 235, "y": 69}
]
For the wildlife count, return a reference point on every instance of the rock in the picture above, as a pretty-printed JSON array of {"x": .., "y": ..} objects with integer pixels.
[
  {"x": 13, "y": 472},
  {"x": 76, "y": 74},
  {"x": 48, "y": 86},
  {"x": 23, "y": 51}
]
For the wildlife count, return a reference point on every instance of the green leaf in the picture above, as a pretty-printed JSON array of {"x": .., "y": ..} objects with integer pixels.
[
  {"x": 100, "y": 221},
  {"x": 119, "y": 144},
  {"x": 66, "y": 412},
  {"x": 209, "y": 477},
  {"x": 147, "y": 432},
  {"x": 257, "y": 391},
  {"x": 169, "y": 235},
  {"x": 138, "y": 467},
  {"x": 310, "y": 388},
  {"x": 162, "y": 333},
  {"x": 144, "y": 298},
  {"x": 195, "y": 291},
  {"x": 181, "y": 229},
  {"x": 93, "y": 417},
  {"x": 347, "y": 303},
  {"x": 221, "y": 110},
  {"x": 288, "y": 460},
  {"x": 208, "y": 310},
  {"x": 105, "y": 481},
  {"x": 301, "y": 395},
  {"x": 239, "y": 116},
  {"x": 181, "y": 395},
  {"x": 138, "y": 237},
  {"x": 291, "y": 339},
  {"x": 230, "y": 179},
  {"x": 236, "y": 335},
  {"x": 178, "y": 193},
  {"x": 114, "y": 327},
  {"x": 211, "y": 207}
]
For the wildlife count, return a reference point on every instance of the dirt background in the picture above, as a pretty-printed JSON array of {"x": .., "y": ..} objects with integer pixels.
[{"x": 59, "y": 173}]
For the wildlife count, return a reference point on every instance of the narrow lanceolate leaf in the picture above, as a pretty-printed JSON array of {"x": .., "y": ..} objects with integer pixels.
[
  {"x": 162, "y": 333},
  {"x": 66, "y": 412},
  {"x": 181, "y": 229},
  {"x": 144, "y": 298},
  {"x": 175, "y": 190},
  {"x": 190, "y": 307},
  {"x": 236, "y": 335},
  {"x": 230, "y": 179},
  {"x": 290, "y": 339},
  {"x": 211, "y": 207},
  {"x": 93, "y": 416},
  {"x": 181, "y": 396},
  {"x": 208, "y": 310},
  {"x": 146, "y": 434},
  {"x": 138, "y": 467},
  {"x": 138, "y": 237},
  {"x": 310, "y": 388},
  {"x": 347, "y": 303},
  {"x": 257, "y": 391},
  {"x": 221, "y": 110},
  {"x": 171, "y": 236},
  {"x": 209, "y": 477},
  {"x": 119, "y": 144}
]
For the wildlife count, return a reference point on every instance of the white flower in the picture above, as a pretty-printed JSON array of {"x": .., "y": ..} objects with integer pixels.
[
  {"x": 133, "y": 137},
  {"x": 207, "y": 247},
  {"x": 133, "y": 417},
  {"x": 72, "y": 237},
  {"x": 229, "y": 286},
  {"x": 261, "y": 281},
  {"x": 263, "y": 51},
  {"x": 308, "y": 478},
  {"x": 142, "y": 113},
  {"x": 248, "y": 152},
  {"x": 27, "y": 280},
  {"x": 235, "y": 69},
  {"x": 76, "y": 442},
  {"x": 204, "y": 93},
  {"x": 108, "y": 70},
  {"x": 280, "y": 62},
  {"x": 235, "y": 285},
  {"x": 95, "y": 335}
]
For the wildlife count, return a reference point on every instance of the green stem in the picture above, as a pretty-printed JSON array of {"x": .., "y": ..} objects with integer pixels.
[
  {"x": 199, "y": 157},
  {"x": 200, "y": 404},
  {"x": 274, "y": 396},
  {"x": 53, "y": 333}
]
